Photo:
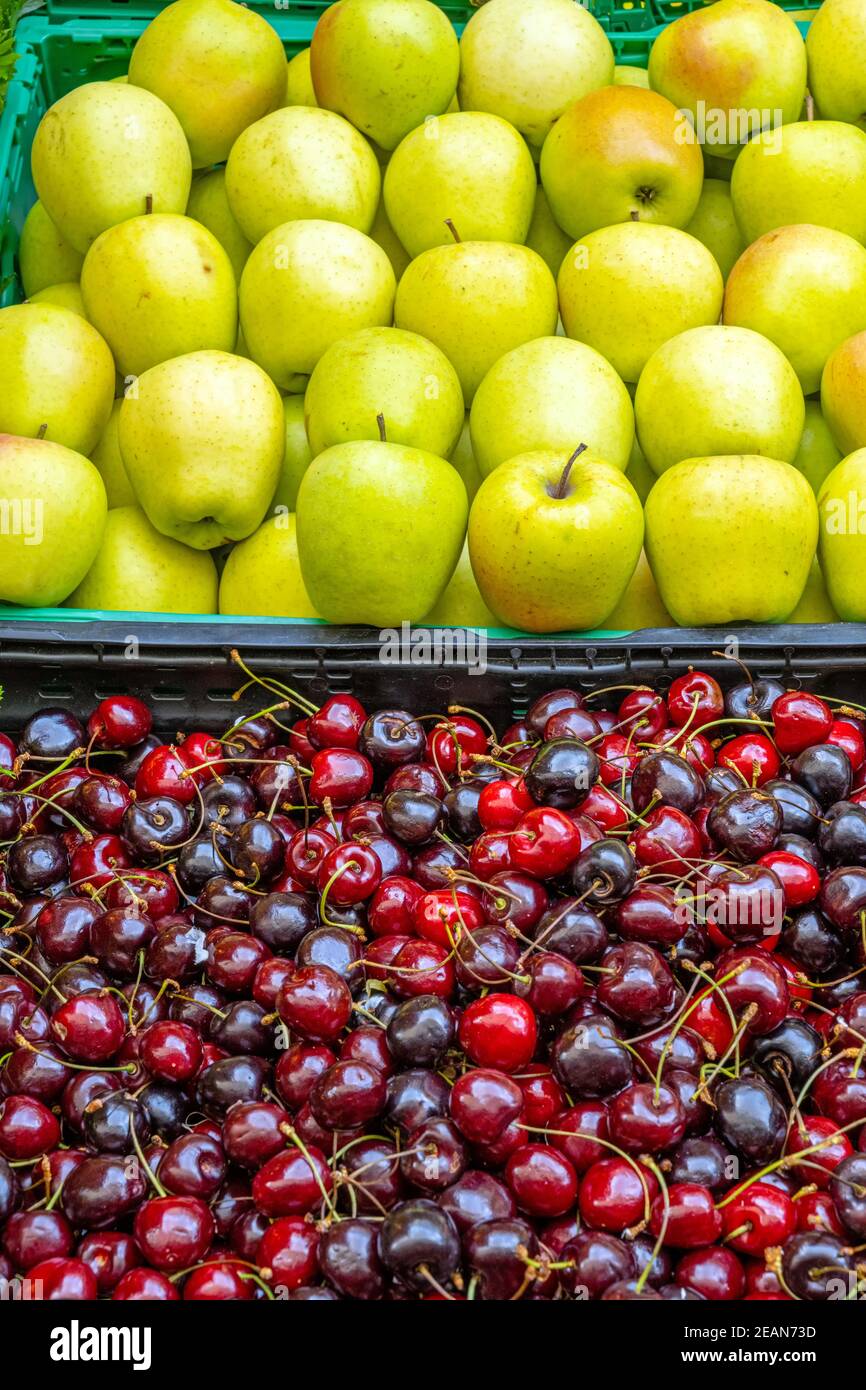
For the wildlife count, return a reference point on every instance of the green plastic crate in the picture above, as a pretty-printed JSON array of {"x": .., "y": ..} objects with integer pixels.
[{"x": 665, "y": 11}]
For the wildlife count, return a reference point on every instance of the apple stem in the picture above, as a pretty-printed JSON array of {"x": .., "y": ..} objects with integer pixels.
[
  {"x": 810, "y": 107},
  {"x": 453, "y": 230},
  {"x": 560, "y": 489},
  {"x": 634, "y": 215},
  {"x": 148, "y": 204},
  {"x": 42, "y": 431},
  {"x": 380, "y": 421}
]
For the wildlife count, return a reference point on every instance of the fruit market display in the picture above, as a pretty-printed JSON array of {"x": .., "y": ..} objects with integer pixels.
[
  {"x": 383, "y": 1004},
  {"x": 486, "y": 329}
]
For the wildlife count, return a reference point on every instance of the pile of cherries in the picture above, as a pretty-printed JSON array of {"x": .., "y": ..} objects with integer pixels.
[{"x": 362, "y": 1005}]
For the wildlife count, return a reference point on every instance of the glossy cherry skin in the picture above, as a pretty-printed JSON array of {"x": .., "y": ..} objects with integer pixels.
[
  {"x": 63, "y": 1280},
  {"x": 483, "y": 1102},
  {"x": 172, "y": 1051},
  {"x": 753, "y": 756},
  {"x": 499, "y": 1031},
  {"x": 33, "y": 1236},
  {"x": 391, "y": 909},
  {"x": 27, "y": 1128},
  {"x": 348, "y": 1095},
  {"x": 109, "y": 1255},
  {"x": 349, "y": 873},
  {"x": 173, "y": 1232},
  {"x": 639, "y": 988},
  {"x": 714, "y": 1272},
  {"x": 646, "y": 1119},
  {"x": 315, "y": 1003},
  {"x": 120, "y": 721},
  {"x": 692, "y": 1218},
  {"x": 695, "y": 698},
  {"x": 89, "y": 1028},
  {"x": 800, "y": 720},
  {"x": 349, "y": 1259},
  {"x": 340, "y": 776},
  {"x": 194, "y": 1165},
  {"x": 544, "y": 843},
  {"x": 292, "y": 1183},
  {"x": 832, "y": 1148},
  {"x": 759, "y": 1216},
  {"x": 543, "y": 1181},
  {"x": 613, "y": 1196},
  {"x": 418, "y": 1239}
]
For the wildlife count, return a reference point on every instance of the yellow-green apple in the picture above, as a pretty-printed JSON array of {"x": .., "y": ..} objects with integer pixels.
[
  {"x": 639, "y": 473},
  {"x": 385, "y": 65},
  {"x": 262, "y": 575},
  {"x": 614, "y": 156},
  {"x": 138, "y": 569},
  {"x": 804, "y": 288},
  {"x": 753, "y": 523},
  {"x": 297, "y": 456},
  {"x": 733, "y": 68},
  {"x": 105, "y": 152},
  {"x": 630, "y": 75},
  {"x": 209, "y": 205},
  {"x": 715, "y": 225},
  {"x": 384, "y": 235},
  {"x": 836, "y": 49},
  {"x": 476, "y": 300},
  {"x": 53, "y": 514},
  {"x": 641, "y": 604},
  {"x": 65, "y": 296},
  {"x": 814, "y": 605},
  {"x": 203, "y": 439},
  {"x": 299, "y": 82},
  {"x": 527, "y": 60},
  {"x": 843, "y": 393},
  {"x": 461, "y": 605},
  {"x": 718, "y": 390},
  {"x": 158, "y": 287},
  {"x": 380, "y": 529},
  {"x": 45, "y": 257},
  {"x": 56, "y": 376},
  {"x": 218, "y": 65},
  {"x": 817, "y": 455},
  {"x": 543, "y": 395},
  {"x": 554, "y": 540},
  {"x": 384, "y": 380},
  {"x": 109, "y": 460},
  {"x": 467, "y": 168},
  {"x": 625, "y": 290},
  {"x": 545, "y": 236},
  {"x": 465, "y": 462},
  {"x": 811, "y": 171},
  {"x": 842, "y": 536},
  {"x": 307, "y": 284},
  {"x": 300, "y": 162}
]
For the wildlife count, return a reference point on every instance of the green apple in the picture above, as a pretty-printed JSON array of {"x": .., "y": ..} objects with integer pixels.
[
  {"x": 734, "y": 67},
  {"x": 551, "y": 394},
  {"x": 262, "y": 575},
  {"x": 209, "y": 205},
  {"x": 384, "y": 235},
  {"x": 750, "y": 522},
  {"x": 380, "y": 529},
  {"x": 719, "y": 166},
  {"x": 627, "y": 289},
  {"x": 109, "y": 460},
  {"x": 66, "y": 296},
  {"x": 639, "y": 473},
  {"x": 297, "y": 457},
  {"x": 554, "y": 540},
  {"x": 158, "y": 287},
  {"x": 299, "y": 82},
  {"x": 385, "y": 65},
  {"x": 842, "y": 536},
  {"x": 53, "y": 514},
  {"x": 718, "y": 390},
  {"x": 105, "y": 152},
  {"x": 203, "y": 439},
  {"x": 387, "y": 373},
  {"x": 817, "y": 455},
  {"x": 836, "y": 49},
  {"x": 641, "y": 605},
  {"x": 300, "y": 162},
  {"x": 814, "y": 605},
  {"x": 467, "y": 168},
  {"x": 843, "y": 393},
  {"x": 476, "y": 300},
  {"x": 715, "y": 225},
  {"x": 219, "y": 66},
  {"x": 527, "y": 60},
  {"x": 461, "y": 605},
  {"x": 56, "y": 376},
  {"x": 139, "y": 570},
  {"x": 811, "y": 171},
  {"x": 804, "y": 288},
  {"x": 630, "y": 75},
  {"x": 545, "y": 235},
  {"x": 307, "y": 284},
  {"x": 615, "y": 156},
  {"x": 45, "y": 257},
  {"x": 463, "y": 459}
]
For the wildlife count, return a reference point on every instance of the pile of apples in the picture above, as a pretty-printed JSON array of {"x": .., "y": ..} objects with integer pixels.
[{"x": 482, "y": 331}]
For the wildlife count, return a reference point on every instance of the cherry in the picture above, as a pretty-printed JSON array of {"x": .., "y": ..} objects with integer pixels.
[
  {"x": 418, "y": 1240},
  {"x": 145, "y": 1286},
  {"x": 543, "y": 1181},
  {"x": 848, "y": 1191},
  {"x": 643, "y": 712},
  {"x": 63, "y": 928},
  {"x": 340, "y": 776},
  {"x": 644, "y": 1118},
  {"x": 445, "y": 915},
  {"x": 173, "y": 1232},
  {"x": 715, "y": 1273},
  {"x": 193, "y": 1165},
  {"x": 800, "y": 720},
  {"x": 666, "y": 839},
  {"x": 109, "y": 1255},
  {"x": 692, "y": 1219},
  {"x": 349, "y": 873},
  {"x": 89, "y": 1028},
  {"x": 604, "y": 809},
  {"x": 545, "y": 842},
  {"x": 498, "y": 1031},
  {"x": 588, "y": 1059},
  {"x": 613, "y": 1195},
  {"x": 435, "y": 1156},
  {"x": 292, "y": 1183},
  {"x": 119, "y": 721},
  {"x": 368, "y": 1044},
  {"x": 637, "y": 986},
  {"x": 450, "y": 745},
  {"x": 833, "y": 1148},
  {"x": 348, "y": 1095},
  {"x": 349, "y": 1259},
  {"x": 562, "y": 773},
  {"x": 597, "y": 1261},
  {"x": 483, "y": 1102},
  {"x": 36, "y": 862},
  {"x": 33, "y": 1236},
  {"x": 848, "y": 734},
  {"x": 652, "y": 914},
  {"x": 164, "y": 774},
  {"x": 422, "y": 967},
  {"x": 490, "y": 854},
  {"x": 666, "y": 779},
  {"x": 27, "y": 1128},
  {"x": 825, "y": 772},
  {"x": 52, "y": 734},
  {"x": 413, "y": 817},
  {"x": 415, "y": 1096},
  {"x": 695, "y": 699},
  {"x": 750, "y": 1118},
  {"x": 817, "y": 1266},
  {"x": 757, "y": 1217},
  {"x": 63, "y": 1279},
  {"x": 171, "y": 1051},
  {"x": 801, "y": 882},
  {"x": 753, "y": 756}
]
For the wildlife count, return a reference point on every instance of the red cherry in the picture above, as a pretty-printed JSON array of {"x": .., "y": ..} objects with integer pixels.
[
  {"x": 306, "y": 851},
  {"x": 63, "y": 1280},
  {"x": 298, "y": 1070},
  {"x": 668, "y": 838},
  {"x": 800, "y": 881},
  {"x": 553, "y": 983},
  {"x": 644, "y": 712},
  {"x": 164, "y": 773},
  {"x": 545, "y": 842},
  {"x": 498, "y": 1031},
  {"x": 847, "y": 734},
  {"x": 715, "y": 1272},
  {"x": 604, "y": 809},
  {"x": 816, "y": 1211},
  {"x": 572, "y": 723},
  {"x": 421, "y": 967},
  {"x": 145, "y": 1286},
  {"x": 173, "y": 1232},
  {"x": 758, "y": 1216},
  {"x": 27, "y": 1128},
  {"x": 692, "y": 1218},
  {"x": 483, "y": 1103},
  {"x": 89, "y": 1027},
  {"x": 110, "y": 1255},
  {"x": 299, "y": 744},
  {"x": 490, "y": 854},
  {"x": 97, "y": 862},
  {"x": 694, "y": 746},
  {"x": 171, "y": 1051},
  {"x": 315, "y": 1003},
  {"x": 349, "y": 873},
  {"x": 575, "y": 1131},
  {"x": 834, "y": 1147},
  {"x": 502, "y": 804},
  {"x": 800, "y": 720},
  {"x": 292, "y": 1183},
  {"x": 287, "y": 1253},
  {"x": 543, "y": 1181},
  {"x": 443, "y": 915},
  {"x": 450, "y": 745},
  {"x": 696, "y": 699},
  {"x": 203, "y": 757},
  {"x": 219, "y": 1281},
  {"x": 543, "y": 1097},
  {"x": 120, "y": 721},
  {"x": 752, "y": 755},
  {"x": 151, "y": 891},
  {"x": 340, "y": 775},
  {"x": 619, "y": 758},
  {"x": 391, "y": 910},
  {"x": 337, "y": 724},
  {"x": 615, "y": 1194}
]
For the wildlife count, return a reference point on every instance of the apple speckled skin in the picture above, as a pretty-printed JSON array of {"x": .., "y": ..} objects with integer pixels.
[
  {"x": 56, "y": 375},
  {"x": 262, "y": 574},
  {"x": 380, "y": 530},
  {"x": 137, "y": 569},
  {"x": 835, "y": 48},
  {"x": 843, "y": 393},
  {"x": 842, "y": 536},
  {"x": 731, "y": 539},
  {"x": 811, "y": 171}
]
